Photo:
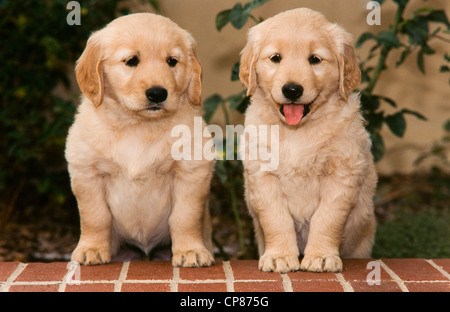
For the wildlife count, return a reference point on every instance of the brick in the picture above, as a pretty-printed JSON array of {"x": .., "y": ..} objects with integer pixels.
[
  {"x": 268, "y": 286},
  {"x": 34, "y": 288},
  {"x": 416, "y": 275},
  {"x": 443, "y": 264},
  {"x": 145, "y": 287},
  {"x": 308, "y": 276},
  {"x": 91, "y": 287},
  {"x": 202, "y": 287},
  {"x": 150, "y": 270},
  {"x": 207, "y": 273},
  {"x": 248, "y": 270},
  {"x": 314, "y": 282},
  {"x": 385, "y": 286},
  {"x": 6, "y": 270},
  {"x": 317, "y": 286},
  {"x": 428, "y": 287},
  {"x": 414, "y": 269},
  {"x": 43, "y": 272},
  {"x": 104, "y": 272}
]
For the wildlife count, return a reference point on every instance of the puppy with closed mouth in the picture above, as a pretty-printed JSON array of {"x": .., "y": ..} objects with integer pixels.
[
  {"x": 139, "y": 77},
  {"x": 301, "y": 71}
]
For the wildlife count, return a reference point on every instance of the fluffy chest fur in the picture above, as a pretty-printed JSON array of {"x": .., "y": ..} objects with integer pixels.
[
  {"x": 333, "y": 146},
  {"x": 137, "y": 172},
  {"x": 139, "y": 190}
]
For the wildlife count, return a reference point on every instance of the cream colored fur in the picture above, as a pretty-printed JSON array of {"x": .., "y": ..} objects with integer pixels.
[
  {"x": 128, "y": 186},
  {"x": 318, "y": 202}
]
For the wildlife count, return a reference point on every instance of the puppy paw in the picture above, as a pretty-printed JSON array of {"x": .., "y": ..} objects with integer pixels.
[
  {"x": 91, "y": 255},
  {"x": 321, "y": 264},
  {"x": 281, "y": 264},
  {"x": 192, "y": 258}
]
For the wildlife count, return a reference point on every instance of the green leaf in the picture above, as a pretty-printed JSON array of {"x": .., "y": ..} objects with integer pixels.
[
  {"x": 154, "y": 4},
  {"x": 210, "y": 106},
  {"x": 427, "y": 50},
  {"x": 365, "y": 77},
  {"x": 389, "y": 101},
  {"x": 420, "y": 56},
  {"x": 421, "y": 61},
  {"x": 438, "y": 16},
  {"x": 447, "y": 126},
  {"x": 374, "y": 121},
  {"x": 377, "y": 146},
  {"x": 235, "y": 100},
  {"x": 401, "y": 2},
  {"x": 447, "y": 57},
  {"x": 421, "y": 10},
  {"x": 363, "y": 38},
  {"x": 235, "y": 72},
  {"x": 388, "y": 39},
  {"x": 239, "y": 101},
  {"x": 244, "y": 104},
  {"x": 405, "y": 53},
  {"x": 396, "y": 123},
  {"x": 254, "y": 4},
  {"x": 369, "y": 102},
  {"x": 222, "y": 19},
  {"x": 444, "y": 69},
  {"x": 414, "y": 113},
  {"x": 238, "y": 17},
  {"x": 417, "y": 30}
]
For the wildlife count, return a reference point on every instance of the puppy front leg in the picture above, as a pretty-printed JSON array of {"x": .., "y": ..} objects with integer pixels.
[
  {"x": 327, "y": 226},
  {"x": 94, "y": 246},
  {"x": 189, "y": 222},
  {"x": 271, "y": 214}
]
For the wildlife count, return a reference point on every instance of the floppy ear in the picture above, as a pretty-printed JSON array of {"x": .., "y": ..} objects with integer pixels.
[
  {"x": 247, "y": 72},
  {"x": 195, "y": 85},
  {"x": 349, "y": 72},
  {"x": 89, "y": 71}
]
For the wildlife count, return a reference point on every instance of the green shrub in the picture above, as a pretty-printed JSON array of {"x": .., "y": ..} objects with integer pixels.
[
  {"x": 38, "y": 48},
  {"x": 414, "y": 234}
]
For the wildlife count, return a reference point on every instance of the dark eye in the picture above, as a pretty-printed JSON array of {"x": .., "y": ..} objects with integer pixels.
[
  {"x": 313, "y": 60},
  {"x": 172, "y": 61},
  {"x": 132, "y": 62},
  {"x": 276, "y": 58}
]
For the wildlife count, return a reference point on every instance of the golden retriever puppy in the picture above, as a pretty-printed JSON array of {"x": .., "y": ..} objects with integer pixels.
[
  {"x": 139, "y": 77},
  {"x": 301, "y": 71}
]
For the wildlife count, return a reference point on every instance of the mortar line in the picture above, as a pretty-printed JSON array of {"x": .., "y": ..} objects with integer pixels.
[
  {"x": 175, "y": 279},
  {"x": 345, "y": 285},
  {"x": 71, "y": 268},
  {"x": 18, "y": 270},
  {"x": 394, "y": 276},
  {"x": 441, "y": 270},
  {"x": 228, "y": 275},
  {"x": 122, "y": 276},
  {"x": 287, "y": 284}
]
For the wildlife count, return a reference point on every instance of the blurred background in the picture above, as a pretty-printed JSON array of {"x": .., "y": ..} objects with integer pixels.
[{"x": 405, "y": 62}]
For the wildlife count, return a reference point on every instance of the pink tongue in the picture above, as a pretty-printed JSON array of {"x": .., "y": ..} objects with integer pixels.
[{"x": 293, "y": 113}]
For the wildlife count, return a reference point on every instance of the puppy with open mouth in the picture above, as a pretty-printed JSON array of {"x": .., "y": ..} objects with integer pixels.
[
  {"x": 301, "y": 71},
  {"x": 140, "y": 78}
]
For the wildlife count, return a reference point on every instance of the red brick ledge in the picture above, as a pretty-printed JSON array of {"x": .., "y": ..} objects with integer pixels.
[{"x": 395, "y": 275}]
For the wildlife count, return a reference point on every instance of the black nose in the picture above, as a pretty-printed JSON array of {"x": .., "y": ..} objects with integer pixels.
[
  {"x": 292, "y": 91},
  {"x": 156, "y": 94}
]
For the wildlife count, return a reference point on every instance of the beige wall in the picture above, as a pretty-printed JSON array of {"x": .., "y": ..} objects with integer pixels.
[{"x": 428, "y": 94}]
